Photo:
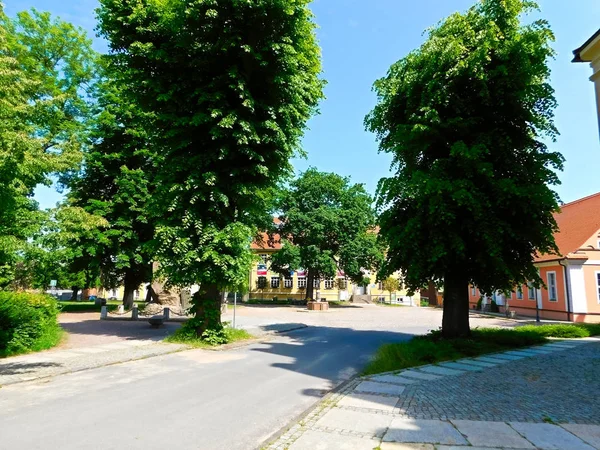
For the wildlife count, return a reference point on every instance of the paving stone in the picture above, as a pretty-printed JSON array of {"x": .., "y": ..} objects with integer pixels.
[
  {"x": 489, "y": 359},
  {"x": 587, "y": 433},
  {"x": 419, "y": 375},
  {"x": 461, "y": 366},
  {"x": 423, "y": 431},
  {"x": 320, "y": 440},
  {"x": 437, "y": 370},
  {"x": 520, "y": 353},
  {"x": 369, "y": 401},
  {"x": 394, "y": 379},
  {"x": 359, "y": 421},
  {"x": 489, "y": 434},
  {"x": 473, "y": 362},
  {"x": 379, "y": 388},
  {"x": 403, "y": 446},
  {"x": 508, "y": 356},
  {"x": 547, "y": 436}
]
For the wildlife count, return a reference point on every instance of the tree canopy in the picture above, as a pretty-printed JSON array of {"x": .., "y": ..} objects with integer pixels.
[
  {"x": 466, "y": 118},
  {"x": 230, "y": 84},
  {"x": 326, "y": 225}
]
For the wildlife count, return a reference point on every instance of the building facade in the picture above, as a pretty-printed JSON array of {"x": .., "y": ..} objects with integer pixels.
[
  {"x": 571, "y": 278},
  {"x": 589, "y": 52}
]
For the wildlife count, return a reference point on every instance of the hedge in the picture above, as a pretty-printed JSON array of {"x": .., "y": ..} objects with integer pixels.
[{"x": 28, "y": 322}]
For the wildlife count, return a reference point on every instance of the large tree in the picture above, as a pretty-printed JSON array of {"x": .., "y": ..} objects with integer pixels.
[
  {"x": 116, "y": 183},
  {"x": 326, "y": 225},
  {"x": 466, "y": 117},
  {"x": 231, "y": 85},
  {"x": 46, "y": 66}
]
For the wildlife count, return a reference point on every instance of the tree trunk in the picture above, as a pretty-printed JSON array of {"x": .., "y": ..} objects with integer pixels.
[
  {"x": 74, "y": 294},
  {"x": 455, "y": 321},
  {"x": 310, "y": 285},
  {"x": 129, "y": 288},
  {"x": 207, "y": 308}
]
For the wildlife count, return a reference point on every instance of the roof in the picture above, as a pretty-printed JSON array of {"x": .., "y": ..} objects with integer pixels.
[
  {"x": 577, "y": 222},
  {"x": 578, "y": 51},
  {"x": 262, "y": 242}
]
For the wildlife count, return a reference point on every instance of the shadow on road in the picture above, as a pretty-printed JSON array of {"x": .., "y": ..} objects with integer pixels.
[
  {"x": 22, "y": 368},
  {"x": 124, "y": 329}
]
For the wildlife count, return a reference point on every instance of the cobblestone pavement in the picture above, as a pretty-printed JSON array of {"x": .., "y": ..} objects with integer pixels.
[{"x": 543, "y": 397}]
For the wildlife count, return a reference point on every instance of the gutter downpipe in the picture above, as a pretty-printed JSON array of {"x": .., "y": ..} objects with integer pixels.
[{"x": 568, "y": 288}]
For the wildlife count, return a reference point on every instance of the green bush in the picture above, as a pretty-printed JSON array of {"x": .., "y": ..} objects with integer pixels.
[
  {"x": 186, "y": 334},
  {"x": 28, "y": 322},
  {"x": 494, "y": 307},
  {"x": 578, "y": 330},
  {"x": 424, "y": 302},
  {"x": 479, "y": 303}
]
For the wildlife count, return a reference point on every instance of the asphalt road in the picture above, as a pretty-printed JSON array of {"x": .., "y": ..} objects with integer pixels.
[{"x": 197, "y": 399}]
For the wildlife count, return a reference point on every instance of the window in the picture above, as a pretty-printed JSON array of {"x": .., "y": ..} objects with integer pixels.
[
  {"x": 316, "y": 283},
  {"x": 274, "y": 282},
  {"x": 329, "y": 283},
  {"x": 598, "y": 285},
  {"x": 473, "y": 291},
  {"x": 552, "y": 287},
  {"x": 261, "y": 282},
  {"x": 520, "y": 293},
  {"x": 264, "y": 258},
  {"x": 342, "y": 283},
  {"x": 599, "y": 244},
  {"x": 301, "y": 282},
  {"x": 288, "y": 283},
  {"x": 530, "y": 292},
  {"x": 380, "y": 286}
]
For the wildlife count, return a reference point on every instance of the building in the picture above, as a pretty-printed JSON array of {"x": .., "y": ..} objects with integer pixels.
[
  {"x": 590, "y": 53},
  {"x": 572, "y": 277},
  {"x": 267, "y": 285}
]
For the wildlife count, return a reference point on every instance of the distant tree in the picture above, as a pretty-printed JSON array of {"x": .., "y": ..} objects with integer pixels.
[
  {"x": 391, "y": 284},
  {"x": 231, "y": 85},
  {"x": 326, "y": 225},
  {"x": 466, "y": 118},
  {"x": 46, "y": 66}
]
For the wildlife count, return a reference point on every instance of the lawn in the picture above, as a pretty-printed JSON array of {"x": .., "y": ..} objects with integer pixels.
[
  {"x": 432, "y": 348},
  {"x": 186, "y": 335}
]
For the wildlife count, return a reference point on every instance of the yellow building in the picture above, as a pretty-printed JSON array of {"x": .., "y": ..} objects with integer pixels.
[
  {"x": 267, "y": 285},
  {"x": 590, "y": 53}
]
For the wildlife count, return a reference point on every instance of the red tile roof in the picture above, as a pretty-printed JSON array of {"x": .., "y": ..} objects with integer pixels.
[
  {"x": 262, "y": 242},
  {"x": 577, "y": 222}
]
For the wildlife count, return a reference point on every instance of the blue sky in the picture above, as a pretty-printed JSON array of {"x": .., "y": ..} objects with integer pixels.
[{"x": 362, "y": 38}]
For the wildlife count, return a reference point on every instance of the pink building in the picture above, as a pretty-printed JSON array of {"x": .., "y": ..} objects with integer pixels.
[{"x": 572, "y": 277}]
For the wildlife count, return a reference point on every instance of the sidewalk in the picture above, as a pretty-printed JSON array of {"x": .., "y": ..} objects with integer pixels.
[{"x": 542, "y": 397}]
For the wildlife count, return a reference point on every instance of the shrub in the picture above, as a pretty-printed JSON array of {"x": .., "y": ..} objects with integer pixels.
[
  {"x": 579, "y": 330},
  {"x": 494, "y": 307},
  {"x": 424, "y": 302},
  {"x": 479, "y": 303},
  {"x": 28, "y": 322},
  {"x": 186, "y": 334}
]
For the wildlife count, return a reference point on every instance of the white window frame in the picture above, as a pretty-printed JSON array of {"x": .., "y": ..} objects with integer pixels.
[
  {"x": 473, "y": 291},
  {"x": 275, "y": 282},
  {"x": 550, "y": 299},
  {"x": 597, "y": 286},
  {"x": 530, "y": 289},
  {"x": 301, "y": 282},
  {"x": 598, "y": 243},
  {"x": 329, "y": 282},
  {"x": 288, "y": 283},
  {"x": 316, "y": 283},
  {"x": 520, "y": 293}
]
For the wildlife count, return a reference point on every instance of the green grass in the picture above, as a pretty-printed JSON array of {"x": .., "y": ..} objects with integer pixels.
[
  {"x": 392, "y": 305},
  {"x": 432, "y": 348},
  {"x": 186, "y": 335},
  {"x": 86, "y": 306}
]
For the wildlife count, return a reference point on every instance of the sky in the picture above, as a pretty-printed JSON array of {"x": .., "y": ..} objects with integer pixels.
[{"x": 360, "y": 39}]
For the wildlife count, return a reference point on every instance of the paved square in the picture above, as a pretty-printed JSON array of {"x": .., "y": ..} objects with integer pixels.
[
  {"x": 423, "y": 431},
  {"x": 509, "y": 357},
  {"x": 491, "y": 434},
  {"x": 379, "y": 388},
  {"x": 318, "y": 440},
  {"x": 403, "y": 446},
  {"x": 547, "y": 436},
  {"x": 362, "y": 422},
  {"x": 589, "y": 433},
  {"x": 395, "y": 379},
  {"x": 478, "y": 363},
  {"x": 369, "y": 401}
]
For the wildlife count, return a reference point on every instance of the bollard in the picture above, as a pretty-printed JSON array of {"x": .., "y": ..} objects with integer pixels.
[
  {"x": 166, "y": 313},
  {"x": 121, "y": 309},
  {"x": 134, "y": 313},
  {"x": 103, "y": 312}
]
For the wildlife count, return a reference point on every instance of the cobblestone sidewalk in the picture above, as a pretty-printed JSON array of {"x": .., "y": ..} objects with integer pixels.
[
  {"x": 18, "y": 369},
  {"x": 542, "y": 397}
]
